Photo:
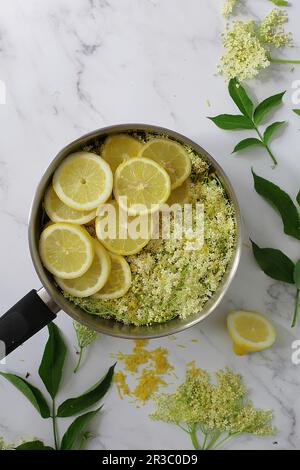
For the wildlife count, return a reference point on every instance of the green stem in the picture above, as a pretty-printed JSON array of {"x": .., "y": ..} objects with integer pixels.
[
  {"x": 284, "y": 61},
  {"x": 79, "y": 360},
  {"x": 295, "y": 318},
  {"x": 213, "y": 440},
  {"x": 183, "y": 428},
  {"x": 266, "y": 146},
  {"x": 204, "y": 442},
  {"x": 54, "y": 428},
  {"x": 229, "y": 436},
  {"x": 193, "y": 434}
]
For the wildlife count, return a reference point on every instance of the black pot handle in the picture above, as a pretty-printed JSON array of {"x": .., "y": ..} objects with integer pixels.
[{"x": 28, "y": 316}]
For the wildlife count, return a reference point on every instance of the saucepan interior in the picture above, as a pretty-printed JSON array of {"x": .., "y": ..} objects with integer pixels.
[{"x": 112, "y": 327}]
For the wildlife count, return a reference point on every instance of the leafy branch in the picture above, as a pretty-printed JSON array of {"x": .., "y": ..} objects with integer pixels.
[
  {"x": 51, "y": 372},
  {"x": 281, "y": 202},
  {"x": 273, "y": 262},
  {"x": 251, "y": 118}
]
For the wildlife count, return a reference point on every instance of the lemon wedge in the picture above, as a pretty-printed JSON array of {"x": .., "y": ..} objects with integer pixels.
[
  {"x": 83, "y": 181},
  {"x": 94, "y": 278},
  {"x": 141, "y": 186},
  {"x": 113, "y": 230},
  {"x": 250, "y": 331},
  {"x": 66, "y": 250},
  {"x": 118, "y": 148},
  {"x": 172, "y": 156},
  {"x": 119, "y": 280},
  {"x": 58, "y": 211}
]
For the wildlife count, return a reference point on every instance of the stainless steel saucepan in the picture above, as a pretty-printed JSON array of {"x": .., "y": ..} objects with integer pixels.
[{"x": 40, "y": 307}]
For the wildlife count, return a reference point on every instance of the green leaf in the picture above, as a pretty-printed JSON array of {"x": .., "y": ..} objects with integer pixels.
[
  {"x": 53, "y": 360},
  {"x": 297, "y": 111},
  {"x": 33, "y": 445},
  {"x": 247, "y": 143},
  {"x": 265, "y": 106},
  {"x": 282, "y": 202},
  {"x": 274, "y": 263},
  {"x": 271, "y": 130},
  {"x": 32, "y": 393},
  {"x": 297, "y": 275},
  {"x": 232, "y": 121},
  {"x": 298, "y": 198},
  {"x": 240, "y": 97},
  {"x": 280, "y": 3},
  {"x": 72, "y": 406},
  {"x": 83, "y": 439},
  {"x": 74, "y": 432}
]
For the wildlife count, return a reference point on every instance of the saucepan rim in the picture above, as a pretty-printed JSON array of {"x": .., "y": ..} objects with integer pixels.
[{"x": 112, "y": 327}]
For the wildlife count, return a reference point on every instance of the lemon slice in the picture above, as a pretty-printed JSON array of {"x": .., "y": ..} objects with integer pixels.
[
  {"x": 58, "y": 211},
  {"x": 119, "y": 280},
  {"x": 120, "y": 233},
  {"x": 141, "y": 186},
  {"x": 180, "y": 195},
  {"x": 83, "y": 181},
  {"x": 95, "y": 277},
  {"x": 250, "y": 331},
  {"x": 118, "y": 148},
  {"x": 66, "y": 250},
  {"x": 172, "y": 156}
]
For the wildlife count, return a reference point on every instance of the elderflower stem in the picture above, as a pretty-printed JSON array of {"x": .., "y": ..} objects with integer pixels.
[
  {"x": 284, "y": 61},
  {"x": 213, "y": 440},
  {"x": 183, "y": 428},
  {"x": 266, "y": 146},
  {"x": 54, "y": 425},
  {"x": 204, "y": 442},
  {"x": 229, "y": 436},
  {"x": 295, "y": 318},
  {"x": 193, "y": 434},
  {"x": 79, "y": 360}
]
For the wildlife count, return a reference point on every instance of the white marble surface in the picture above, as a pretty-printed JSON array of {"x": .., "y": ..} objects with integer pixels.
[{"x": 74, "y": 66}]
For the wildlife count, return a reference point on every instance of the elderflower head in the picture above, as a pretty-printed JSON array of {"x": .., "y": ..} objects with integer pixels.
[
  {"x": 85, "y": 336},
  {"x": 271, "y": 30},
  {"x": 247, "y": 45},
  {"x": 244, "y": 55},
  {"x": 228, "y": 7},
  {"x": 214, "y": 408}
]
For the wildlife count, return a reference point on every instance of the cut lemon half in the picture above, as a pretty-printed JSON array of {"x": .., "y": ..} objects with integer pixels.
[
  {"x": 118, "y": 148},
  {"x": 120, "y": 233},
  {"x": 66, "y": 250},
  {"x": 58, "y": 211},
  {"x": 141, "y": 186},
  {"x": 119, "y": 280},
  {"x": 83, "y": 181},
  {"x": 94, "y": 278},
  {"x": 250, "y": 331},
  {"x": 180, "y": 195},
  {"x": 172, "y": 156}
]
